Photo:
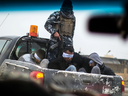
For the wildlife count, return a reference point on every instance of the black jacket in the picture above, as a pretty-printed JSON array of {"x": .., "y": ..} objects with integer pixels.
[
  {"x": 77, "y": 60},
  {"x": 106, "y": 70}
]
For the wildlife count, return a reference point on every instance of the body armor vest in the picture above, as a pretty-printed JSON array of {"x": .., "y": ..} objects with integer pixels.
[{"x": 65, "y": 26}]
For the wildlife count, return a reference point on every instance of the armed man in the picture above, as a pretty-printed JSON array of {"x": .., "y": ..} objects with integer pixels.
[{"x": 60, "y": 25}]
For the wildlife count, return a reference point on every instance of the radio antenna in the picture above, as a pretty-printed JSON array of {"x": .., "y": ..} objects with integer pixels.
[{"x": 4, "y": 20}]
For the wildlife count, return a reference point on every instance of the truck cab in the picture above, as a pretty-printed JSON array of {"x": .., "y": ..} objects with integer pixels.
[{"x": 12, "y": 47}]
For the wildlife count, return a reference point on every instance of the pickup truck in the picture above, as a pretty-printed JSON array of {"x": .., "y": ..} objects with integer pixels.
[{"x": 11, "y": 48}]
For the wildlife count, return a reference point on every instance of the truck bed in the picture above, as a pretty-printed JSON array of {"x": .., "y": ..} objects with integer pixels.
[{"x": 67, "y": 80}]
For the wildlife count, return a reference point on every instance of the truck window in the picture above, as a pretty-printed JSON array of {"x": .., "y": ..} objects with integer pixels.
[
  {"x": 3, "y": 44},
  {"x": 24, "y": 47},
  {"x": 21, "y": 49},
  {"x": 36, "y": 46}
]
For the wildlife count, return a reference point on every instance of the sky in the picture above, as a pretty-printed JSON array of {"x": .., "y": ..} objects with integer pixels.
[{"x": 18, "y": 23}]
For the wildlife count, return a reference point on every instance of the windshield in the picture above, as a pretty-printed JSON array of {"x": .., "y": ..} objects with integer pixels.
[{"x": 3, "y": 45}]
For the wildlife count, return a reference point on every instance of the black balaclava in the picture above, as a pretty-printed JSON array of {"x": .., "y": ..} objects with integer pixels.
[{"x": 67, "y": 9}]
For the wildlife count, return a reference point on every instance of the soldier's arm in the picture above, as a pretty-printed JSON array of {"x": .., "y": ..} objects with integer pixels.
[{"x": 52, "y": 19}]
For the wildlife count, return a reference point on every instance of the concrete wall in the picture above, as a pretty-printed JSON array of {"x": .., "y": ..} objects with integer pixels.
[{"x": 120, "y": 69}]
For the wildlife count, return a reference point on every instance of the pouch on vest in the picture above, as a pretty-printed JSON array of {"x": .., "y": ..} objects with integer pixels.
[{"x": 66, "y": 26}]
